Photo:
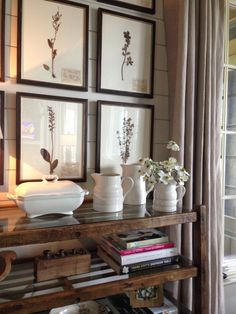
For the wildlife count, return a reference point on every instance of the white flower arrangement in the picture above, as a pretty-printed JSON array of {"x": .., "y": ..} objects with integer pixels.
[{"x": 167, "y": 171}]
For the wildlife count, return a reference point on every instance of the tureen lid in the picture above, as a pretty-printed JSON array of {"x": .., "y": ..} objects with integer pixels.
[{"x": 65, "y": 187}]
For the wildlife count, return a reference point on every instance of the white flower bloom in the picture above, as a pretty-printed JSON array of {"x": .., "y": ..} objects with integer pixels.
[
  {"x": 172, "y": 161},
  {"x": 166, "y": 171},
  {"x": 173, "y": 146}
]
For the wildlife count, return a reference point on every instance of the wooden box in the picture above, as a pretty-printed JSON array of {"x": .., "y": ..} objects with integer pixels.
[
  {"x": 147, "y": 297},
  {"x": 57, "y": 266}
]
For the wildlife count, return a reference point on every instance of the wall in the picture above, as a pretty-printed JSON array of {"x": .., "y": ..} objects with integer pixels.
[{"x": 160, "y": 100}]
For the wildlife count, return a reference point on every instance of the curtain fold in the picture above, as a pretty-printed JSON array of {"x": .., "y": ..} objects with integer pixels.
[{"x": 194, "y": 35}]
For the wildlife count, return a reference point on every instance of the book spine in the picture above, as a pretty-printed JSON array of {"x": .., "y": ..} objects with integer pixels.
[
  {"x": 138, "y": 257},
  {"x": 148, "y": 248},
  {"x": 146, "y": 256},
  {"x": 136, "y": 244},
  {"x": 115, "y": 246},
  {"x": 149, "y": 265}
]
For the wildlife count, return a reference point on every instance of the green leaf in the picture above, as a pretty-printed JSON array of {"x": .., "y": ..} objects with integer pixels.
[
  {"x": 45, "y": 154},
  {"x": 46, "y": 67}
]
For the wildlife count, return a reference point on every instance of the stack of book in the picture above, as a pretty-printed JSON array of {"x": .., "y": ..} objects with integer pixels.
[{"x": 137, "y": 250}]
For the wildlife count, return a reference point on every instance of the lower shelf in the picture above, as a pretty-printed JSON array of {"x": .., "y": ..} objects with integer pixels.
[{"x": 19, "y": 293}]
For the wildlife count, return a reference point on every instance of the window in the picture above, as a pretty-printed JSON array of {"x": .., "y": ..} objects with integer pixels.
[{"x": 229, "y": 129}]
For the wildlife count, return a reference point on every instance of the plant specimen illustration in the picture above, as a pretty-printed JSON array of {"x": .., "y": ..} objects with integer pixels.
[
  {"x": 45, "y": 154},
  {"x": 127, "y": 60},
  {"x": 51, "y": 42},
  {"x": 124, "y": 139}
]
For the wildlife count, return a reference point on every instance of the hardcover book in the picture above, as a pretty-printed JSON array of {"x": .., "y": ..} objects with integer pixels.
[
  {"x": 140, "y": 238},
  {"x": 140, "y": 257},
  {"x": 108, "y": 241},
  {"x": 161, "y": 263}
]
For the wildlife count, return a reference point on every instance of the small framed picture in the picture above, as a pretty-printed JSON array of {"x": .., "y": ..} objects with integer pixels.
[
  {"x": 2, "y": 96},
  {"x": 125, "y": 54},
  {"x": 129, "y": 137},
  {"x": 51, "y": 137},
  {"x": 2, "y": 34},
  {"x": 147, "y": 297},
  {"x": 53, "y": 44},
  {"x": 147, "y": 6}
]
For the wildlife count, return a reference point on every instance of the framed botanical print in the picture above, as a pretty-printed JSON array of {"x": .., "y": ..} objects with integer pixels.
[
  {"x": 130, "y": 134},
  {"x": 125, "y": 54},
  {"x": 51, "y": 137},
  {"x": 2, "y": 34},
  {"x": 53, "y": 44},
  {"x": 1, "y": 137},
  {"x": 147, "y": 6}
]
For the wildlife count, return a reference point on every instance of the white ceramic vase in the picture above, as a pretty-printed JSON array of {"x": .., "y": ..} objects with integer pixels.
[
  {"x": 108, "y": 195},
  {"x": 165, "y": 196},
  {"x": 138, "y": 194}
]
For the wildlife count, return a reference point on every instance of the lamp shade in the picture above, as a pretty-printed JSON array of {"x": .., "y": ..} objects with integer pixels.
[{"x": 1, "y": 135}]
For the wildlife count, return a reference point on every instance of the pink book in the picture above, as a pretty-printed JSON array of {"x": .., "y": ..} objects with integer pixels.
[{"x": 115, "y": 246}]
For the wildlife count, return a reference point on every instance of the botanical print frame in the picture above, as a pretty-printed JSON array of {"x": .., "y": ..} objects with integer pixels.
[
  {"x": 53, "y": 44},
  {"x": 125, "y": 54},
  {"x": 2, "y": 34},
  {"x": 51, "y": 137},
  {"x": 147, "y": 6},
  {"x": 2, "y": 97},
  {"x": 118, "y": 118}
]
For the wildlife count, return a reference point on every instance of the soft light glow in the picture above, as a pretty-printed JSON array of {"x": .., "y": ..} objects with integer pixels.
[{"x": 1, "y": 135}]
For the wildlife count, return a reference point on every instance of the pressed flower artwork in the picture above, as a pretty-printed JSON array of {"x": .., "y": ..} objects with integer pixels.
[
  {"x": 125, "y": 54},
  {"x": 56, "y": 22},
  {"x": 129, "y": 137},
  {"x": 43, "y": 151},
  {"x": 53, "y": 44},
  {"x": 124, "y": 139},
  {"x": 52, "y": 137}
]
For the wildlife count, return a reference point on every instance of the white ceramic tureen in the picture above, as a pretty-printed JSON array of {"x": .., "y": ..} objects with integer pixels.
[{"x": 48, "y": 197}]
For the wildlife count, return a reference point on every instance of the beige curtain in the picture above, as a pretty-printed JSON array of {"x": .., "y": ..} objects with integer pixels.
[{"x": 194, "y": 35}]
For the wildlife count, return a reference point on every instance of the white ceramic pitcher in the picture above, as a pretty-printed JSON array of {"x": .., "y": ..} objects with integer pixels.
[
  {"x": 165, "y": 197},
  {"x": 108, "y": 193},
  {"x": 138, "y": 194}
]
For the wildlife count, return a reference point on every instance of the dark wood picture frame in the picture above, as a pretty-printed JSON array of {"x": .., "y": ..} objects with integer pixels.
[
  {"x": 114, "y": 116},
  {"x": 2, "y": 99},
  {"x": 33, "y": 134},
  {"x": 125, "y": 62},
  {"x": 141, "y": 8},
  {"x": 50, "y": 56},
  {"x": 2, "y": 45}
]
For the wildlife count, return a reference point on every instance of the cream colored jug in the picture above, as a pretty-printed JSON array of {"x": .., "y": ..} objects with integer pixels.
[
  {"x": 166, "y": 198},
  {"x": 138, "y": 194},
  {"x": 108, "y": 192}
]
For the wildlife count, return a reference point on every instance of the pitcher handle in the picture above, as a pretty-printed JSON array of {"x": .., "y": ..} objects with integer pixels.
[
  {"x": 149, "y": 190},
  {"x": 131, "y": 186},
  {"x": 181, "y": 192}
]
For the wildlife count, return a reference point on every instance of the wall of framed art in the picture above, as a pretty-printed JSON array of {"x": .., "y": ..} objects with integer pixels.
[{"x": 21, "y": 81}]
